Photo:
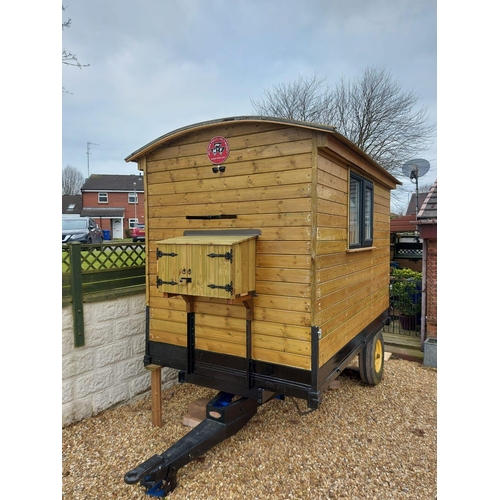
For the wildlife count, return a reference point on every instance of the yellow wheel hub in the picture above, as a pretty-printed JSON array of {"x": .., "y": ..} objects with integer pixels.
[{"x": 378, "y": 356}]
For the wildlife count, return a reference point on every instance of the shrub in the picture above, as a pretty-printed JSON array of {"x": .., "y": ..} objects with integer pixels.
[{"x": 406, "y": 291}]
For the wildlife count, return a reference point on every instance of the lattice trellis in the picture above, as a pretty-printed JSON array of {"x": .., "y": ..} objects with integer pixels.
[
  {"x": 107, "y": 256},
  {"x": 408, "y": 250},
  {"x": 91, "y": 272},
  {"x": 409, "y": 253},
  {"x": 65, "y": 259}
]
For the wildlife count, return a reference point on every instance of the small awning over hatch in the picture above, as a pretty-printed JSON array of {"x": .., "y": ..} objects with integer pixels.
[{"x": 105, "y": 212}]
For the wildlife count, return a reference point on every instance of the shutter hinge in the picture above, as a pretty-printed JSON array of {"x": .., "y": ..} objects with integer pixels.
[
  {"x": 160, "y": 282},
  {"x": 228, "y": 288},
  {"x": 159, "y": 254},
  {"x": 228, "y": 255}
]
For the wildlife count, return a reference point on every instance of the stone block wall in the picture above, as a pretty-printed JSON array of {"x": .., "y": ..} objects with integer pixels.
[{"x": 108, "y": 370}]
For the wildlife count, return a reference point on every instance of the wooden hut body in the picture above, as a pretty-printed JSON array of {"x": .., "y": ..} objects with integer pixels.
[{"x": 293, "y": 293}]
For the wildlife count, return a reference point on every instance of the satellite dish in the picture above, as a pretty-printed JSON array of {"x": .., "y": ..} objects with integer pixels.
[{"x": 414, "y": 169}]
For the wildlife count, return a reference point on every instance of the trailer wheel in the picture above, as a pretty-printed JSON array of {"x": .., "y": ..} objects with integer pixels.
[{"x": 371, "y": 360}]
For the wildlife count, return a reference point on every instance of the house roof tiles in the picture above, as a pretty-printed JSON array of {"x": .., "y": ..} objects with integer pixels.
[
  {"x": 411, "y": 205},
  {"x": 71, "y": 204},
  {"x": 102, "y": 212},
  {"x": 107, "y": 182},
  {"x": 428, "y": 210},
  {"x": 404, "y": 224}
]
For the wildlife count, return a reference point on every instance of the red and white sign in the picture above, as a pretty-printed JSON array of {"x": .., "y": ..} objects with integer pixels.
[{"x": 218, "y": 150}]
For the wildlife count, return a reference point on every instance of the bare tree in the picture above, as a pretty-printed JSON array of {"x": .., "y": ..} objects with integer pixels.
[
  {"x": 68, "y": 57},
  {"x": 72, "y": 180},
  {"x": 303, "y": 100},
  {"x": 373, "y": 112}
]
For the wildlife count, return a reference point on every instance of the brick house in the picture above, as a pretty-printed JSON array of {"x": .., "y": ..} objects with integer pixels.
[
  {"x": 427, "y": 227},
  {"x": 115, "y": 202}
]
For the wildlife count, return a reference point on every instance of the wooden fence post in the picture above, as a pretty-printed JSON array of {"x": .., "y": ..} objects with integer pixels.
[
  {"x": 155, "y": 394},
  {"x": 77, "y": 292}
]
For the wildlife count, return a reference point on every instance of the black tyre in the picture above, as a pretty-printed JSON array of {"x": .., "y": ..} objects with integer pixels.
[{"x": 371, "y": 360}]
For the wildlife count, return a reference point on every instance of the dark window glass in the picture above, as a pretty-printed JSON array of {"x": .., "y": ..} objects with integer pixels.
[{"x": 360, "y": 211}]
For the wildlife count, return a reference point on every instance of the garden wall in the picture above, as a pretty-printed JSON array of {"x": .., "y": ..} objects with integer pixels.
[{"x": 108, "y": 370}]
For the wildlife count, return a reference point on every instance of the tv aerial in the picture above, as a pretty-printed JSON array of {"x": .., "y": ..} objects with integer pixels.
[{"x": 414, "y": 169}]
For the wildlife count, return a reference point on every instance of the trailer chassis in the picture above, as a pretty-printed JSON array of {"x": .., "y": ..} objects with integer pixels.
[
  {"x": 228, "y": 412},
  {"x": 225, "y": 416}
]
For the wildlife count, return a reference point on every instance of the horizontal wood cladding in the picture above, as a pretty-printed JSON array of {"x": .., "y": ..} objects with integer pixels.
[
  {"x": 351, "y": 288},
  {"x": 330, "y": 345},
  {"x": 263, "y": 173},
  {"x": 246, "y": 143},
  {"x": 229, "y": 201},
  {"x": 266, "y": 206},
  {"x": 332, "y": 148},
  {"x": 222, "y": 328},
  {"x": 267, "y": 185},
  {"x": 277, "y": 181},
  {"x": 282, "y": 358},
  {"x": 243, "y": 221}
]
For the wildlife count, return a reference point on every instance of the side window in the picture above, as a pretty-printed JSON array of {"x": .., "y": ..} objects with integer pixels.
[
  {"x": 102, "y": 197},
  {"x": 360, "y": 211}
]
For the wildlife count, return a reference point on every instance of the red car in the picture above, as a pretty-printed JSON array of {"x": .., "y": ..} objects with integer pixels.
[{"x": 139, "y": 233}]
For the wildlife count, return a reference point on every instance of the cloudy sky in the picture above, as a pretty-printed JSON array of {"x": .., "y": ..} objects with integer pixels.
[{"x": 157, "y": 65}]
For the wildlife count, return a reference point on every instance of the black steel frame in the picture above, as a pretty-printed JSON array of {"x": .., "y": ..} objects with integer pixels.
[{"x": 249, "y": 378}]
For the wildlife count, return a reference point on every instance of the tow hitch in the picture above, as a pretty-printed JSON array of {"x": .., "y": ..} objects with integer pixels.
[{"x": 224, "y": 418}]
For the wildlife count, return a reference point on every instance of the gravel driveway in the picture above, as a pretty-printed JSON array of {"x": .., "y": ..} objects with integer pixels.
[{"x": 363, "y": 443}]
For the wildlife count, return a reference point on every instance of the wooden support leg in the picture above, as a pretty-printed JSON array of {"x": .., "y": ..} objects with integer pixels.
[{"x": 155, "y": 394}]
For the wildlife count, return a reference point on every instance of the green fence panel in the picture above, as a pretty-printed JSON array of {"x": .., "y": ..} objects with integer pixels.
[{"x": 99, "y": 272}]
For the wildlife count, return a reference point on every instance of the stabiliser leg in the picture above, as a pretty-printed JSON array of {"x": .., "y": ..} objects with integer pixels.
[{"x": 225, "y": 418}]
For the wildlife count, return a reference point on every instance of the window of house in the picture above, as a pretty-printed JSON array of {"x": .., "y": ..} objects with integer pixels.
[
  {"x": 132, "y": 198},
  {"x": 102, "y": 197},
  {"x": 360, "y": 212},
  {"x": 132, "y": 223}
]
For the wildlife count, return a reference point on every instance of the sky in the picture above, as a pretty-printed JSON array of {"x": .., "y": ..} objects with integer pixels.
[{"x": 157, "y": 65}]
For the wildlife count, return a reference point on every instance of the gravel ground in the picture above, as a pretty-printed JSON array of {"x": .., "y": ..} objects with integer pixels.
[{"x": 363, "y": 443}]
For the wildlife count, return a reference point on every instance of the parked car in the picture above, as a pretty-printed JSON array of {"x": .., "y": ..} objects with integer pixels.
[
  {"x": 82, "y": 229},
  {"x": 138, "y": 233}
]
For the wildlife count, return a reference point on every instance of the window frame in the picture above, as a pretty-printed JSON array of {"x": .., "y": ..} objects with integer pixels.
[
  {"x": 132, "y": 223},
  {"x": 103, "y": 195},
  {"x": 364, "y": 231},
  {"x": 132, "y": 195}
]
